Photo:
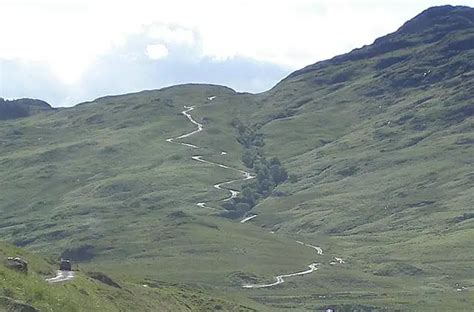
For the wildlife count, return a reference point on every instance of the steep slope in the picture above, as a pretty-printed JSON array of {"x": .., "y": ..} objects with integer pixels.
[
  {"x": 392, "y": 125},
  {"x": 381, "y": 140},
  {"x": 378, "y": 144},
  {"x": 384, "y": 107}
]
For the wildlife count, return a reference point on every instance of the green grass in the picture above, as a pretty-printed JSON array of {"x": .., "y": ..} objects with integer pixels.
[{"x": 383, "y": 164}]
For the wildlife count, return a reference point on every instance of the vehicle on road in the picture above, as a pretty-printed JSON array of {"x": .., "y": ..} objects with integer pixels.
[{"x": 65, "y": 265}]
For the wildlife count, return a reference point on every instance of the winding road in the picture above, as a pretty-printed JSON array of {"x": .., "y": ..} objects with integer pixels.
[
  {"x": 248, "y": 218},
  {"x": 219, "y": 186},
  {"x": 318, "y": 249},
  {"x": 280, "y": 278},
  {"x": 234, "y": 193}
]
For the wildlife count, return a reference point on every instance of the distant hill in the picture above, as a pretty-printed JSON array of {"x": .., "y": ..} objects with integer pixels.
[
  {"x": 378, "y": 146},
  {"x": 11, "y": 109}
]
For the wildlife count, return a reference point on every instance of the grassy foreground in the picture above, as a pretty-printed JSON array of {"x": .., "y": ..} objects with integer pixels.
[{"x": 94, "y": 291}]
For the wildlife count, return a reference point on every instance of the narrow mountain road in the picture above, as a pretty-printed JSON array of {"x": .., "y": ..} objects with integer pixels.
[
  {"x": 248, "y": 218},
  {"x": 61, "y": 276},
  {"x": 219, "y": 186},
  {"x": 186, "y": 111},
  {"x": 318, "y": 249},
  {"x": 280, "y": 278},
  {"x": 234, "y": 193}
]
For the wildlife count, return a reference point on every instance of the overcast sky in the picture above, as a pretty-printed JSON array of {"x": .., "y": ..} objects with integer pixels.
[{"x": 68, "y": 51}]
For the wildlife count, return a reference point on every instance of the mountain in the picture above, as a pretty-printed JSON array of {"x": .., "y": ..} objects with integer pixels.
[
  {"x": 11, "y": 109},
  {"x": 368, "y": 156}
]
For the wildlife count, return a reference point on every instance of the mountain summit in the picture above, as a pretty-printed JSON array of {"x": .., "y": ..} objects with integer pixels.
[
  {"x": 440, "y": 20},
  {"x": 444, "y": 30}
]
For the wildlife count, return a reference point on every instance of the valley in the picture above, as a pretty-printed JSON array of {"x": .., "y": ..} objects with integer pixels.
[
  {"x": 233, "y": 194},
  {"x": 170, "y": 193}
]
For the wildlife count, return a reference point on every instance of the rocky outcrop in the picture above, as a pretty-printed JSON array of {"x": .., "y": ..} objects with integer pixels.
[{"x": 17, "y": 264}]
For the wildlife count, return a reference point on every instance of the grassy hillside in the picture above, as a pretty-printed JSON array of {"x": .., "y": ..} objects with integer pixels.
[
  {"x": 382, "y": 138},
  {"x": 378, "y": 144},
  {"x": 106, "y": 189}
]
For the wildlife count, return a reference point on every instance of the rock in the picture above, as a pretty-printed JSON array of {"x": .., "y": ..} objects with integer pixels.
[{"x": 17, "y": 263}]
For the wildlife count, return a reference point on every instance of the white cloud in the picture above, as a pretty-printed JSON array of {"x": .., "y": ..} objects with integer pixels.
[
  {"x": 131, "y": 69},
  {"x": 70, "y": 36},
  {"x": 156, "y": 51},
  {"x": 171, "y": 34}
]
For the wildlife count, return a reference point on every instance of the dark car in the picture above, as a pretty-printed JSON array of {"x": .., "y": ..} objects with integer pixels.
[{"x": 65, "y": 265}]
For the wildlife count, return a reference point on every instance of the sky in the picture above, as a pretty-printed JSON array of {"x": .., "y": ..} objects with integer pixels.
[{"x": 70, "y": 51}]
